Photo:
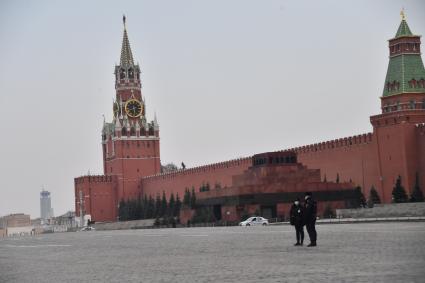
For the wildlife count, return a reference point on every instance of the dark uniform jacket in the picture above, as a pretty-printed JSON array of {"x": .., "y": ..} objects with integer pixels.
[
  {"x": 310, "y": 213},
  {"x": 297, "y": 215}
]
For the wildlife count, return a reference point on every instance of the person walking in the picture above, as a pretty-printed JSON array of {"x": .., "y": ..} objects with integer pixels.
[
  {"x": 297, "y": 219},
  {"x": 310, "y": 212}
]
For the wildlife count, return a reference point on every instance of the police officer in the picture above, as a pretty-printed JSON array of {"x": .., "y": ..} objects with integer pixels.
[
  {"x": 310, "y": 212},
  {"x": 297, "y": 219}
]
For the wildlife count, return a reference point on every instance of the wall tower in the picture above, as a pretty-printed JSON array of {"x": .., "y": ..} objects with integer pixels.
[{"x": 403, "y": 109}]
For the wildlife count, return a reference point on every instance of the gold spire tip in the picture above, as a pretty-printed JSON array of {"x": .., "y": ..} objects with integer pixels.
[{"x": 403, "y": 16}]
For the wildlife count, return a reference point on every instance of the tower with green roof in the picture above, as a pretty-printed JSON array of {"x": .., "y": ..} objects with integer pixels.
[{"x": 398, "y": 130}]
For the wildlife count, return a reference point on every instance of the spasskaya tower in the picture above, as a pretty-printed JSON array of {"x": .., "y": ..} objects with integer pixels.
[
  {"x": 130, "y": 143},
  {"x": 130, "y": 146}
]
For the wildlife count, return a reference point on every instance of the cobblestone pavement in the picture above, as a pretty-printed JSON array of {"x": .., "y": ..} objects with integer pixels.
[{"x": 379, "y": 252}]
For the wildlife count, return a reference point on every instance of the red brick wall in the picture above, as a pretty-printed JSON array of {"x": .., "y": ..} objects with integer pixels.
[
  {"x": 420, "y": 135},
  {"x": 356, "y": 158},
  {"x": 99, "y": 195},
  {"x": 177, "y": 182},
  {"x": 352, "y": 158}
]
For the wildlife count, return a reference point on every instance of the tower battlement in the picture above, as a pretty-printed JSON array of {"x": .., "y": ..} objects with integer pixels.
[
  {"x": 334, "y": 144},
  {"x": 94, "y": 179},
  {"x": 199, "y": 169}
]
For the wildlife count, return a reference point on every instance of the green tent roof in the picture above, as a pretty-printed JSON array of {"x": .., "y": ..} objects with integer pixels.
[
  {"x": 401, "y": 69},
  {"x": 403, "y": 30},
  {"x": 404, "y": 67}
]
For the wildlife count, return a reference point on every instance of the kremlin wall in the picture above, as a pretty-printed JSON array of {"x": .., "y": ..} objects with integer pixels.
[{"x": 395, "y": 147}]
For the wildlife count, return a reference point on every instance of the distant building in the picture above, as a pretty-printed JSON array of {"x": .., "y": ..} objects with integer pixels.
[
  {"x": 16, "y": 224},
  {"x": 67, "y": 219},
  {"x": 46, "y": 211},
  {"x": 16, "y": 220}
]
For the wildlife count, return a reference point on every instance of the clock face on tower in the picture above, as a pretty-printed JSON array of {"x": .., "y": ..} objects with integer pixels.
[{"x": 133, "y": 108}]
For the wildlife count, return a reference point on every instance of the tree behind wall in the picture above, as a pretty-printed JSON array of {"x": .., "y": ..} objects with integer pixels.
[
  {"x": 360, "y": 200},
  {"x": 373, "y": 196},
  {"x": 163, "y": 207},
  {"x": 157, "y": 205},
  {"x": 150, "y": 212},
  {"x": 186, "y": 198},
  {"x": 145, "y": 207},
  {"x": 123, "y": 211},
  {"x": 193, "y": 199},
  {"x": 417, "y": 195},
  {"x": 203, "y": 215},
  {"x": 132, "y": 207},
  {"x": 178, "y": 206},
  {"x": 171, "y": 205},
  {"x": 139, "y": 208},
  {"x": 399, "y": 194}
]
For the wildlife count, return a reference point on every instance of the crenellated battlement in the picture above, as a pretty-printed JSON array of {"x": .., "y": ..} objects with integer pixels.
[
  {"x": 338, "y": 143},
  {"x": 94, "y": 179},
  {"x": 199, "y": 169}
]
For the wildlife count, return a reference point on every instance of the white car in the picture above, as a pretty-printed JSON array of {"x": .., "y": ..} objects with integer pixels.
[
  {"x": 255, "y": 221},
  {"x": 88, "y": 228}
]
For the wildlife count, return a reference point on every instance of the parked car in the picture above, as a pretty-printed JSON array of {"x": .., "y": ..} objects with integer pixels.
[
  {"x": 88, "y": 228},
  {"x": 255, "y": 221}
]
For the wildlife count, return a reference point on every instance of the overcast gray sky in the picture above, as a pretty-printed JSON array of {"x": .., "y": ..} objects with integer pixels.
[{"x": 226, "y": 78}]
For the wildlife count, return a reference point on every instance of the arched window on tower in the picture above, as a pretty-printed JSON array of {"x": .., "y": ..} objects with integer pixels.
[
  {"x": 122, "y": 74},
  {"x": 131, "y": 73},
  {"x": 132, "y": 131},
  {"x": 124, "y": 131},
  {"x": 412, "y": 104},
  {"x": 412, "y": 83},
  {"x": 398, "y": 105}
]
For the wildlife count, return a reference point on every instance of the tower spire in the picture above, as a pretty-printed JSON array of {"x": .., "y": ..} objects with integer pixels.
[
  {"x": 403, "y": 29},
  {"x": 126, "y": 55},
  {"x": 403, "y": 16}
]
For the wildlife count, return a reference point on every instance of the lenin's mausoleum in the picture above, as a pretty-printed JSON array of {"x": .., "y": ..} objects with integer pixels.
[{"x": 266, "y": 182}]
